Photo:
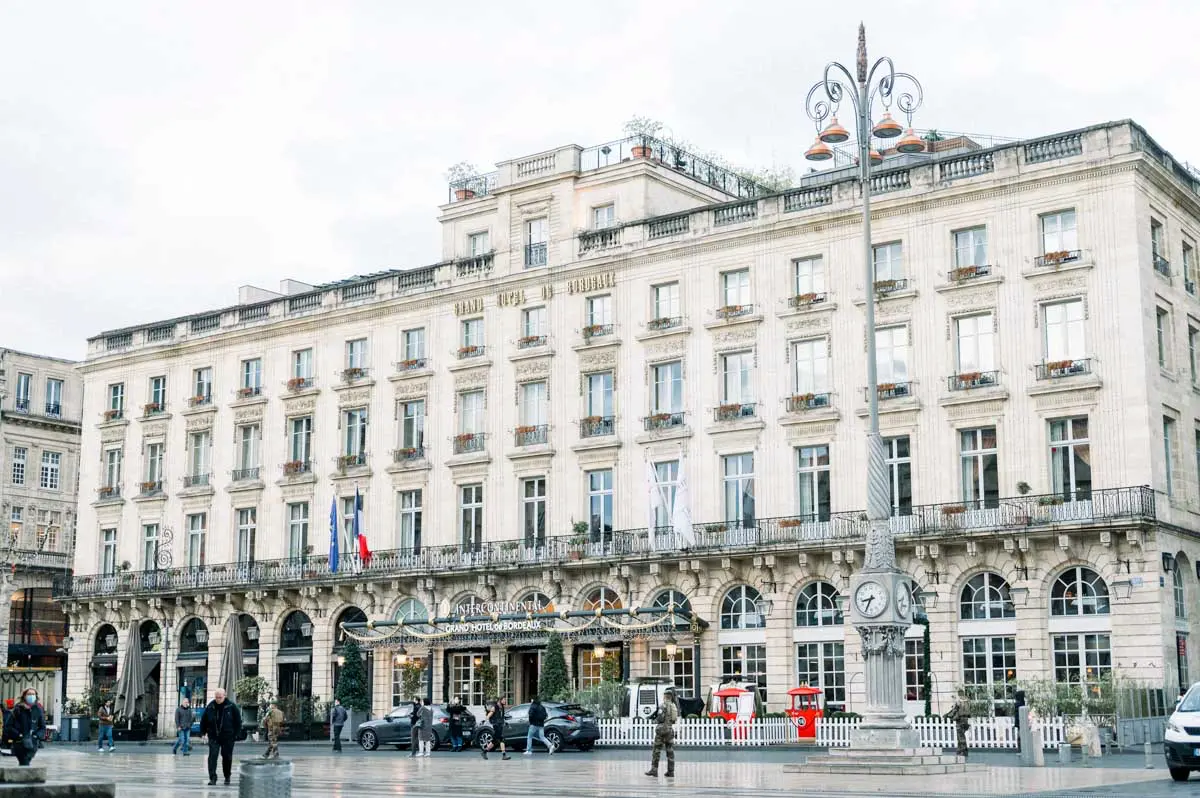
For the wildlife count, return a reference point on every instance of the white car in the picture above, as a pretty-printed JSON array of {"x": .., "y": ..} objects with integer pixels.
[{"x": 1181, "y": 744}]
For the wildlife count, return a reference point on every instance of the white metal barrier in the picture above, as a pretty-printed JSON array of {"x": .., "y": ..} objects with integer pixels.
[{"x": 700, "y": 731}]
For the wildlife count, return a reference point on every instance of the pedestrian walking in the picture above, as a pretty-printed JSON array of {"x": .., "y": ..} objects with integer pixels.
[
  {"x": 337, "y": 720},
  {"x": 426, "y": 727},
  {"x": 961, "y": 715},
  {"x": 455, "y": 711},
  {"x": 105, "y": 716},
  {"x": 274, "y": 723},
  {"x": 25, "y": 727},
  {"x": 414, "y": 727},
  {"x": 183, "y": 728},
  {"x": 220, "y": 723},
  {"x": 664, "y": 734},
  {"x": 537, "y": 727},
  {"x": 495, "y": 716}
]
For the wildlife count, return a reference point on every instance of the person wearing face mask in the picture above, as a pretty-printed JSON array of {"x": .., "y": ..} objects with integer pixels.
[{"x": 25, "y": 727}]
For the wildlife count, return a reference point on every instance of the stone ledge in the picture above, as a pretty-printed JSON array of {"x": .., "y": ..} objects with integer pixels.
[
  {"x": 19, "y": 775},
  {"x": 59, "y": 790}
]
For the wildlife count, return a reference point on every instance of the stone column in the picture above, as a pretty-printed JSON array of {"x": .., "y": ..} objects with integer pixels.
[
  {"x": 168, "y": 688},
  {"x": 8, "y": 586}
]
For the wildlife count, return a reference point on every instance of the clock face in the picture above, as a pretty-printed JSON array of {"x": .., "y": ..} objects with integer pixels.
[
  {"x": 870, "y": 599},
  {"x": 904, "y": 601}
]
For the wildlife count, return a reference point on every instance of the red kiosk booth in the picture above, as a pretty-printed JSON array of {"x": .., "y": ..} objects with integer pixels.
[
  {"x": 805, "y": 709},
  {"x": 732, "y": 699}
]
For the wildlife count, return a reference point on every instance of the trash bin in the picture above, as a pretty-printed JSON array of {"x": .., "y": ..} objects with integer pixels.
[
  {"x": 265, "y": 778},
  {"x": 75, "y": 728}
]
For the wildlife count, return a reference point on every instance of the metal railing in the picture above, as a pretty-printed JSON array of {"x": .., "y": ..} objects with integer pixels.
[
  {"x": 597, "y": 330},
  {"x": 108, "y": 493},
  {"x": 1032, "y": 512},
  {"x": 300, "y": 383},
  {"x": 244, "y": 474},
  {"x": 595, "y": 426},
  {"x": 972, "y": 379},
  {"x": 673, "y": 157},
  {"x": 1054, "y": 369},
  {"x": 660, "y": 421},
  {"x": 734, "y": 311},
  {"x": 466, "y": 442},
  {"x": 961, "y": 273},
  {"x": 151, "y": 487},
  {"x": 593, "y": 240},
  {"x": 891, "y": 390},
  {"x": 664, "y": 323},
  {"x": 407, "y": 454},
  {"x": 200, "y": 400},
  {"x": 531, "y": 435},
  {"x": 21, "y": 405},
  {"x": 471, "y": 350},
  {"x": 355, "y": 373},
  {"x": 535, "y": 254},
  {"x": 53, "y": 409},
  {"x": 800, "y": 301},
  {"x": 412, "y": 364},
  {"x": 196, "y": 481},
  {"x": 1162, "y": 265},
  {"x": 294, "y": 468},
  {"x": 476, "y": 264},
  {"x": 1057, "y": 258},
  {"x": 347, "y": 461},
  {"x": 531, "y": 341},
  {"x": 798, "y": 403},
  {"x": 891, "y": 286},
  {"x": 152, "y": 409},
  {"x": 249, "y": 391},
  {"x": 735, "y": 410},
  {"x": 472, "y": 187},
  {"x": 113, "y": 414}
]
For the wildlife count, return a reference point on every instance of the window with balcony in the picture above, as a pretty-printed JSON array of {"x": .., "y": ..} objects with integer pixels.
[
  {"x": 54, "y": 397},
  {"x": 809, "y": 281},
  {"x": 197, "y": 524},
  {"x": 24, "y": 389},
  {"x": 810, "y": 380},
  {"x": 604, "y": 216},
  {"x": 471, "y": 340},
  {"x": 738, "y": 484},
  {"x": 154, "y": 467},
  {"x": 1070, "y": 458},
  {"x": 412, "y": 429},
  {"x": 116, "y": 401},
  {"x": 413, "y": 347},
  {"x": 202, "y": 386},
  {"x": 970, "y": 249},
  {"x": 534, "y": 409},
  {"x": 1059, "y": 237},
  {"x": 302, "y": 365},
  {"x": 1168, "y": 435},
  {"x": 158, "y": 395},
  {"x": 1064, "y": 334},
  {"x": 891, "y": 360},
  {"x": 354, "y": 441},
  {"x": 108, "y": 552},
  {"x": 149, "y": 547},
  {"x": 534, "y": 327},
  {"x": 297, "y": 529},
  {"x": 51, "y": 470},
  {"x": 249, "y": 441},
  {"x": 247, "y": 531},
  {"x": 1189, "y": 267},
  {"x": 537, "y": 234},
  {"x": 600, "y": 504},
  {"x": 1193, "y": 353},
  {"x": 667, "y": 305},
  {"x": 471, "y": 408},
  {"x": 479, "y": 244},
  {"x": 199, "y": 458},
  {"x": 975, "y": 351},
  {"x": 1162, "y": 328},
  {"x": 20, "y": 456},
  {"x": 737, "y": 385},
  {"x": 735, "y": 290},
  {"x": 470, "y": 512},
  {"x": 356, "y": 357},
  {"x": 410, "y": 509},
  {"x": 888, "y": 260},
  {"x": 1158, "y": 245},
  {"x": 533, "y": 511},
  {"x": 300, "y": 442},
  {"x": 667, "y": 386},
  {"x": 812, "y": 480},
  {"x": 978, "y": 456},
  {"x": 599, "y": 316},
  {"x": 112, "y": 469},
  {"x": 599, "y": 419},
  {"x": 666, "y": 477},
  {"x": 899, "y": 463},
  {"x": 252, "y": 375}
]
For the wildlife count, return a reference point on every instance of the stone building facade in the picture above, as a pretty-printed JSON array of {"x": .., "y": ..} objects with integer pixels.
[{"x": 635, "y": 379}]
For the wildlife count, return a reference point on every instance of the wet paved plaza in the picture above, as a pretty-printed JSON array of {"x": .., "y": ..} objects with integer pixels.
[{"x": 152, "y": 771}]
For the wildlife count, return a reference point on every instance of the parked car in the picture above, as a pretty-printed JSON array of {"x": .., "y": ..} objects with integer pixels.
[
  {"x": 1181, "y": 743},
  {"x": 566, "y": 725},
  {"x": 396, "y": 729}
]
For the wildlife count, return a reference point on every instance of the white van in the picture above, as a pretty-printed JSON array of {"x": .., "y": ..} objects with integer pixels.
[{"x": 1181, "y": 743}]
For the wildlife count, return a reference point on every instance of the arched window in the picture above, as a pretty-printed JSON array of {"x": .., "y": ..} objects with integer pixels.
[
  {"x": 411, "y": 610},
  {"x": 817, "y": 605},
  {"x": 467, "y": 604},
  {"x": 1079, "y": 591},
  {"x": 106, "y": 640},
  {"x": 1177, "y": 587},
  {"x": 297, "y": 631},
  {"x": 194, "y": 637},
  {"x": 250, "y": 632},
  {"x": 349, "y": 615},
  {"x": 985, "y": 597},
  {"x": 742, "y": 608},
  {"x": 671, "y": 596},
  {"x": 535, "y": 601},
  {"x": 604, "y": 598}
]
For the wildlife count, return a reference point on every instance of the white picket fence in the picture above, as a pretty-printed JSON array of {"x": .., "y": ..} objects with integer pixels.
[{"x": 831, "y": 732}]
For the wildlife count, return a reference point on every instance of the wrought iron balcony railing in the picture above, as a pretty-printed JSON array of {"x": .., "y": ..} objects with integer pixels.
[
  {"x": 152, "y": 487},
  {"x": 412, "y": 364},
  {"x": 1080, "y": 506},
  {"x": 531, "y": 435},
  {"x": 1055, "y": 369},
  {"x": 152, "y": 409},
  {"x": 891, "y": 390},
  {"x": 196, "y": 481},
  {"x": 353, "y": 373},
  {"x": 244, "y": 474},
  {"x": 661, "y": 420},
  {"x": 200, "y": 399},
  {"x": 727, "y": 312},
  {"x": 53, "y": 410},
  {"x": 408, "y": 454},
  {"x": 1162, "y": 265},
  {"x": 467, "y": 442},
  {"x": 345, "y": 462},
  {"x": 249, "y": 391},
  {"x": 964, "y": 273},
  {"x": 22, "y": 405},
  {"x": 108, "y": 493},
  {"x": 531, "y": 341},
  {"x": 595, "y": 426},
  {"x": 294, "y": 468},
  {"x": 973, "y": 379},
  {"x": 296, "y": 384},
  {"x": 1057, "y": 258},
  {"x": 664, "y": 323},
  {"x": 732, "y": 411},
  {"x": 891, "y": 286},
  {"x": 801, "y": 301},
  {"x": 799, "y": 402},
  {"x": 471, "y": 350},
  {"x": 535, "y": 255},
  {"x": 597, "y": 331}
]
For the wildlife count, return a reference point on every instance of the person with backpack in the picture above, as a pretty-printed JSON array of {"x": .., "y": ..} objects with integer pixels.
[
  {"x": 664, "y": 734},
  {"x": 25, "y": 727},
  {"x": 537, "y": 727}
]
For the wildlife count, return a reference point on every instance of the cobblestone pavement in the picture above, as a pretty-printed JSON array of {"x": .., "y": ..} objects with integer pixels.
[{"x": 142, "y": 771}]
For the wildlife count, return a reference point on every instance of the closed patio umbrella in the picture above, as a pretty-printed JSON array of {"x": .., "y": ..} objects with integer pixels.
[
  {"x": 232, "y": 668},
  {"x": 132, "y": 684}
]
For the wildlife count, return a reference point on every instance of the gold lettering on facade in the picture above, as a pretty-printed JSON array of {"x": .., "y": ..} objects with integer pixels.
[
  {"x": 468, "y": 306},
  {"x": 547, "y": 291},
  {"x": 593, "y": 282},
  {"x": 507, "y": 299}
]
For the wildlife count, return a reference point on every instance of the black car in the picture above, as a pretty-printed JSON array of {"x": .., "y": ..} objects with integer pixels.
[
  {"x": 566, "y": 725},
  {"x": 396, "y": 729}
]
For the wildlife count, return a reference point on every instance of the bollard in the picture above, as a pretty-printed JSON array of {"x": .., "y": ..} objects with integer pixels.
[
  {"x": 265, "y": 778},
  {"x": 1085, "y": 752},
  {"x": 1064, "y": 754},
  {"x": 1146, "y": 750}
]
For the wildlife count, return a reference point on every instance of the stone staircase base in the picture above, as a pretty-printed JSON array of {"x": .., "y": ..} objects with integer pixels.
[
  {"x": 885, "y": 762},
  {"x": 19, "y": 782}
]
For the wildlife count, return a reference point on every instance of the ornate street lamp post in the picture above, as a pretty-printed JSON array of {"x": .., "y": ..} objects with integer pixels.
[{"x": 880, "y": 594}]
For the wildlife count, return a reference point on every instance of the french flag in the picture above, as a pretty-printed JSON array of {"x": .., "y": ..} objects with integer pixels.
[{"x": 360, "y": 539}]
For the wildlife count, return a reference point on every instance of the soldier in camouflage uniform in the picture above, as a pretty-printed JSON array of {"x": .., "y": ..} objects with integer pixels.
[
  {"x": 274, "y": 724},
  {"x": 664, "y": 734}
]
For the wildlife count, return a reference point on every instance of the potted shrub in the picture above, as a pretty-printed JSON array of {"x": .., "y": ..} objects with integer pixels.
[
  {"x": 292, "y": 467},
  {"x": 251, "y": 691},
  {"x": 788, "y": 523},
  {"x": 459, "y": 176},
  {"x": 660, "y": 323},
  {"x": 296, "y": 383},
  {"x": 643, "y": 130}
]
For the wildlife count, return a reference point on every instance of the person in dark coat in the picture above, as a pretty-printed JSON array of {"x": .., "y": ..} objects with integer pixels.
[
  {"x": 496, "y": 718},
  {"x": 537, "y": 723},
  {"x": 414, "y": 727},
  {"x": 25, "y": 727},
  {"x": 221, "y": 724},
  {"x": 455, "y": 711},
  {"x": 426, "y": 735},
  {"x": 337, "y": 719}
]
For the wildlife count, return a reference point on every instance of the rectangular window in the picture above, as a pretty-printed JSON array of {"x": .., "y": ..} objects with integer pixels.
[
  {"x": 1189, "y": 267},
  {"x": 354, "y": 423},
  {"x": 252, "y": 376},
  {"x": 823, "y": 665},
  {"x": 1163, "y": 331},
  {"x": 533, "y": 510},
  {"x": 54, "y": 397},
  {"x": 301, "y": 439},
  {"x": 412, "y": 425},
  {"x": 158, "y": 392},
  {"x": 297, "y": 515},
  {"x": 809, "y": 276},
  {"x": 533, "y": 404},
  {"x": 537, "y": 233},
  {"x": 978, "y": 463},
  {"x": 1058, "y": 232},
  {"x": 478, "y": 244},
  {"x": 889, "y": 261},
  {"x": 812, "y": 492},
  {"x": 746, "y": 663},
  {"x": 20, "y": 455},
  {"x": 51, "y": 470},
  {"x": 1158, "y": 239},
  {"x": 154, "y": 463},
  {"x": 197, "y": 539},
  {"x": 667, "y": 303},
  {"x": 149, "y": 547},
  {"x": 348, "y": 517},
  {"x": 914, "y": 670},
  {"x": 108, "y": 552},
  {"x": 1064, "y": 330},
  {"x": 470, "y": 412},
  {"x": 116, "y": 399},
  {"x": 679, "y": 670},
  {"x": 199, "y": 454},
  {"x": 470, "y": 510},
  {"x": 356, "y": 353},
  {"x": 600, "y": 395},
  {"x": 247, "y": 530},
  {"x": 599, "y": 310},
  {"x": 668, "y": 387},
  {"x": 1082, "y": 659},
  {"x": 735, "y": 288},
  {"x": 899, "y": 463},
  {"x": 738, "y": 479},
  {"x": 112, "y": 469},
  {"x": 975, "y": 348},
  {"x": 24, "y": 389},
  {"x": 534, "y": 324},
  {"x": 970, "y": 247},
  {"x": 414, "y": 344},
  {"x": 1070, "y": 458},
  {"x": 1168, "y": 431},
  {"x": 16, "y": 524},
  {"x": 604, "y": 216},
  {"x": 1181, "y": 657},
  {"x": 472, "y": 332},
  {"x": 1193, "y": 346},
  {"x": 989, "y": 666},
  {"x": 891, "y": 355},
  {"x": 249, "y": 441},
  {"x": 737, "y": 381},
  {"x": 667, "y": 476},
  {"x": 302, "y": 364},
  {"x": 410, "y": 521},
  {"x": 466, "y": 678},
  {"x": 600, "y": 504},
  {"x": 202, "y": 384},
  {"x": 811, "y": 362}
]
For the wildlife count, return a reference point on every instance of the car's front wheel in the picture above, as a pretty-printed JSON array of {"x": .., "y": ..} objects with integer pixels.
[
  {"x": 555, "y": 738},
  {"x": 1180, "y": 774},
  {"x": 369, "y": 740},
  {"x": 485, "y": 738}
]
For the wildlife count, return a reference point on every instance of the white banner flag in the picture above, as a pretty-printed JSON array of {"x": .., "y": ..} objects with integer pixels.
[
  {"x": 655, "y": 501},
  {"x": 681, "y": 515}
]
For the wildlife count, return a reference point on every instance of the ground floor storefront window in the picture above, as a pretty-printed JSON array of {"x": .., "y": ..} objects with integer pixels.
[
  {"x": 746, "y": 663},
  {"x": 989, "y": 671},
  {"x": 681, "y": 669},
  {"x": 1082, "y": 659},
  {"x": 466, "y": 671},
  {"x": 823, "y": 665}
]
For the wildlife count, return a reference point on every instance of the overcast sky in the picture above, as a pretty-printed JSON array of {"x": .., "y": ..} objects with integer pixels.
[{"x": 155, "y": 156}]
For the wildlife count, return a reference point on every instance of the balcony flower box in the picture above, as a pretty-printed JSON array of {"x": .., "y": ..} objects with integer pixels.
[
  {"x": 297, "y": 383},
  {"x": 353, "y": 373},
  {"x": 199, "y": 399},
  {"x": 886, "y": 387},
  {"x": 109, "y": 415},
  {"x": 150, "y": 408},
  {"x": 349, "y": 461},
  {"x": 953, "y": 510},
  {"x": 729, "y": 412},
  {"x": 1053, "y": 258},
  {"x": 660, "y": 418},
  {"x": 407, "y": 365},
  {"x": 802, "y": 398},
  {"x": 246, "y": 393},
  {"x": 964, "y": 273},
  {"x": 592, "y": 419},
  {"x": 407, "y": 452},
  {"x": 969, "y": 377},
  {"x": 525, "y": 429},
  {"x": 464, "y": 437},
  {"x": 790, "y": 523},
  {"x": 729, "y": 311},
  {"x": 1059, "y": 365},
  {"x": 883, "y": 286},
  {"x": 147, "y": 487},
  {"x": 461, "y": 194},
  {"x": 1049, "y": 501},
  {"x": 293, "y": 467},
  {"x": 663, "y": 323},
  {"x": 593, "y": 330},
  {"x": 804, "y": 299},
  {"x": 530, "y": 340},
  {"x": 466, "y": 351}
]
